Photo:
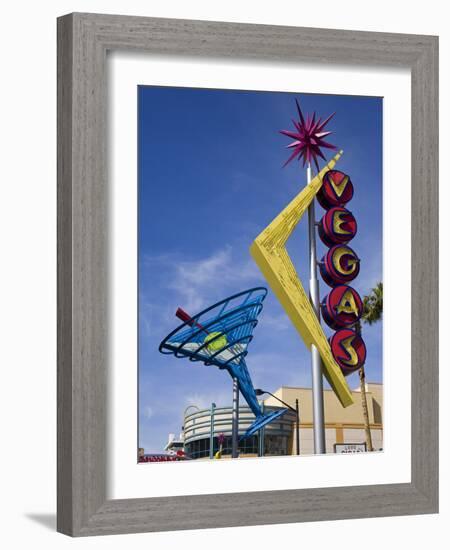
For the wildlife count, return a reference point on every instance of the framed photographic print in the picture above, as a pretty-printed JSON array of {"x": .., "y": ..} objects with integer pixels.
[
  {"x": 195, "y": 237},
  {"x": 247, "y": 274}
]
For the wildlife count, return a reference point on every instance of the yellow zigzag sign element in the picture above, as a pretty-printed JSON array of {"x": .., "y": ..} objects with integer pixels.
[{"x": 270, "y": 254}]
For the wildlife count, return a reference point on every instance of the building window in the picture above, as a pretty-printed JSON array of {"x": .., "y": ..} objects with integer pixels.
[
  {"x": 276, "y": 445},
  {"x": 200, "y": 448}
]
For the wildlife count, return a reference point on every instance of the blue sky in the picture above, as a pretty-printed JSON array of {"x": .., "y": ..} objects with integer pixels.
[{"x": 210, "y": 179}]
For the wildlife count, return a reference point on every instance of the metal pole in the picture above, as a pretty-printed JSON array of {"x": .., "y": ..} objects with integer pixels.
[
  {"x": 211, "y": 434},
  {"x": 298, "y": 427},
  {"x": 316, "y": 362},
  {"x": 261, "y": 435},
  {"x": 235, "y": 420}
]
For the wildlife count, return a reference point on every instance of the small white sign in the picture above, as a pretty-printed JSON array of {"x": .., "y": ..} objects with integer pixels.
[{"x": 342, "y": 448}]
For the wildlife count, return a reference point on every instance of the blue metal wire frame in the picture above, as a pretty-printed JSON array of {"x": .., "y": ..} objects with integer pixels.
[{"x": 235, "y": 326}]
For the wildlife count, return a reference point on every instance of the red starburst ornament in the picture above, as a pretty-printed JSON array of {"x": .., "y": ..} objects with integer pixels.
[{"x": 308, "y": 138}]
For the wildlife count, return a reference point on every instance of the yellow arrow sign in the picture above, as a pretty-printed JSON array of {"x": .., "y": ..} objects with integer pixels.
[{"x": 270, "y": 254}]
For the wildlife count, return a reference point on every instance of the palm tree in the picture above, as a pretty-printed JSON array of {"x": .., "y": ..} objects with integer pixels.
[
  {"x": 373, "y": 305},
  {"x": 372, "y": 313}
]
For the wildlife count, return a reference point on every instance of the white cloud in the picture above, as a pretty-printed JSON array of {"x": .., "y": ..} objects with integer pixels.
[
  {"x": 197, "y": 280},
  {"x": 276, "y": 321},
  {"x": 272, "y": 369},
  {"x": 148, "y": 412},
  {"x": 203, "y": 400},
  {"x": 200, "y": 282}
]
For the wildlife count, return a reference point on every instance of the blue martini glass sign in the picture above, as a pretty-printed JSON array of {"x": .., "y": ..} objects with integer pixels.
[{"x": 219, "y": 335}]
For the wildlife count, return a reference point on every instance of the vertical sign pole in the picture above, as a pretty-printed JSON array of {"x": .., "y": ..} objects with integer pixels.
[
  {"x": 211, "y": 434},
  {"x": 316, "y": 362},
  {"x": 297, "y": 442},
  {"x": 235, "y": 420}
]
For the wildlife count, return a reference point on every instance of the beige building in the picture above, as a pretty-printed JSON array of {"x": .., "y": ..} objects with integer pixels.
[
  {"x": 279, "y": 438},
  {"x": 341, "y": 425}
]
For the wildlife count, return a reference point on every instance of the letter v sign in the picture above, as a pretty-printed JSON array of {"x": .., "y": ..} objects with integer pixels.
[
  {"x": 270, "y": 254},
  {"x": 340, "y": 188}
]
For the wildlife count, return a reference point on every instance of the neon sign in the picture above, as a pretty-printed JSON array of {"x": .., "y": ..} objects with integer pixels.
[
  {"x": 339, "y": 266},
  {"x": 342, "y": 307},
  {"x": 338, "y": 226},
  {"x": 348, "y": 350},
  {"x": 270, "y": 254},
  {"x": 336, "y": 190}
]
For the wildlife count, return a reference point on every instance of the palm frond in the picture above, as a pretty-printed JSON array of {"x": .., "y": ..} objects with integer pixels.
[{"x": 373, "y": 305}]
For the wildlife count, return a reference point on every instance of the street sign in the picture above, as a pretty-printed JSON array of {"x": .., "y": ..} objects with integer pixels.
[{"x": 350, "y": 448}]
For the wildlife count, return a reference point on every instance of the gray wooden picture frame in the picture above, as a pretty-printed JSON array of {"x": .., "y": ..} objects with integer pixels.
[{"x": 83, "y": 41}]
